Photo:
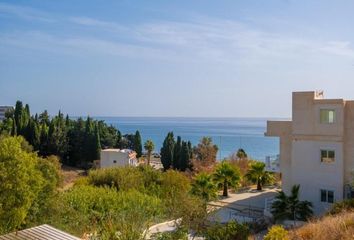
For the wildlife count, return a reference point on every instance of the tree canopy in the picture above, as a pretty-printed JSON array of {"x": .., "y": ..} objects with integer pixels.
[
  {"x": 27, "y": 181},
  {"x": 290, "y": 207},
  {"x": 257, "y": 174},
  {"x": 227, "y": 175},
  {"x": 76, "y": 141},
  {"x": 176, "y": 154}
]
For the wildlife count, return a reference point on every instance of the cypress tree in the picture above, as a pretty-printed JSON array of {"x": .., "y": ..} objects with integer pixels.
[
  {"x": 97, "y": 149},
  {"x": 13, "y": 128},
  {"x": 43, "y": 148},
  {"x": 18, "y": 115},
  {"x": 167, "y": 151},
  {"x": 67, "y": 121},
  {"x": 185, "y": 156},
  {"x": 89, "y": 142},
  {"x": 44, "y": 118},
  {"x": 138, "y": 148},
  {"x": 190, "y": 148},
  {"x": 176, "y": 163}
]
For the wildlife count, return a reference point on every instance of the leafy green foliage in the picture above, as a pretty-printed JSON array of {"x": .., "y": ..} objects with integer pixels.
[
  {"x": 77, "y": 142},
  {"x": 137, "y": 144},
  {"x": 167, "y": 151},
  {"x": 277, "y": 233},
  {"x": 230, "y": 231},
  {"x": 124, "y": 178},
  {"x": 149, "y": 147},
  {"x": 205, "y": 152},
  {"x": 120, "y": 203},
  {"x": 241, "y": 153},
  {"x": 204, "y": 187},
  {"x": 290, "y": 207},
  {"x": 27, "y": 182},
  {"x": 226, "y": 175},
  {"x": 176, "y": 155},
  {"x": 257, "y": 174},
  {"x": 180, "y": 234},
  {"x": 109, "y": 213}
]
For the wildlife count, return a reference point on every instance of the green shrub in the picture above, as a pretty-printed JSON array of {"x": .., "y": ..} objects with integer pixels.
[
  {"x": 88, "y": 209},
  {"x": 339, "y": 207},
  {"x": 121, "y": 178},
  {"x": 180, "y": 234},
  {"x": 26, "y": 183},
  {"x": 229, "y": 231},
  {"x": 277, "y": 233}
]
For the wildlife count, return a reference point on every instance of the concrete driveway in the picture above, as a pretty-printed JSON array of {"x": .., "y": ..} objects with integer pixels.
[{"x": 243, "y": 207}]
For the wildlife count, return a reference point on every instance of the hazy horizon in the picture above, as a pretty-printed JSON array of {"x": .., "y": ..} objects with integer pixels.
[{"x": 174, "y": 58}]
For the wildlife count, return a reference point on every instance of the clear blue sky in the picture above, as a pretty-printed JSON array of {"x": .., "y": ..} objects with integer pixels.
[{"x": 174, "y": 58}]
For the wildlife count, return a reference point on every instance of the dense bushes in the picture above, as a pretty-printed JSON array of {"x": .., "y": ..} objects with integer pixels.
[
  {"x": 229, "y": 231},
  {"x": 119, "y": 178},
  {"x": 27, "y": 182},
  {"x": 277, "y": 233},
  {"x": 105, "y": 211},
  {"x": 125, "y": 200},
  {"x": 339, "y": 207}
]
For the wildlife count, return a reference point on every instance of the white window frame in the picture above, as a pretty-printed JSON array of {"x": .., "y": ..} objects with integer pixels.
[
  {"x": 328, "y": 150},
  {"x": 327, "y": 191},
  {"x": 328, "y": 110}
]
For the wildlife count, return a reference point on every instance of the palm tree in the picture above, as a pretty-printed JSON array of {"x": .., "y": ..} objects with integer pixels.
[
  {"x": 226, "y": 175},
  {"x": 149, "y": 146},
  {"x": 241, "y": 154},
  {"x": 258, "y": 174},
  {"x": 204, "y": 187},
  {"x": 290, "y": 207}
]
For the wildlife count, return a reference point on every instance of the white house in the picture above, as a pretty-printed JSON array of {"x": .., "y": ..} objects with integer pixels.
[
  {"x": 117, "y": 157},
  {"x": 317, "y": 148}
]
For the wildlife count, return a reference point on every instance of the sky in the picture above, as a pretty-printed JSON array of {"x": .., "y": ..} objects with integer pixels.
[{"x": 186, "y": 58}]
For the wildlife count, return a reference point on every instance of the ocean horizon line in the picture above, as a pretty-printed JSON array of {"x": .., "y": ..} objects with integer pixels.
[{"x": 182, "y": 117}]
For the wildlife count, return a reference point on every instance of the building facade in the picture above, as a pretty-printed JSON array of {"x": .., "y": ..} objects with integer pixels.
[
  {"x": 3, "y": 110},
  {"x": 317, "y": 148},
  {"x": 117, "y": 158}
]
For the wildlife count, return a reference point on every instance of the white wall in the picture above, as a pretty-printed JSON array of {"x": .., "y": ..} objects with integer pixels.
[
  {"x": 313, "y": 175},
  {"x": 108, "y": 158}
]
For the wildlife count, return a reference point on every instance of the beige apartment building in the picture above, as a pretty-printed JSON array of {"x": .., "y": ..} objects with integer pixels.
[{"x": 317, "y": 148}]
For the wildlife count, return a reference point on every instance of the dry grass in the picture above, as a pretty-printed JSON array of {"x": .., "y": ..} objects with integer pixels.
[
  {"x": 70, "y": 175},
  {"x": 340, "y": 226}
]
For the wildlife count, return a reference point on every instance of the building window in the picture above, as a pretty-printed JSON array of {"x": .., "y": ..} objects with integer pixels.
[
  {"x": 327, "y": 196},
  {"x": 327, "y": 156},
  {"x": 327, "y": 116}
]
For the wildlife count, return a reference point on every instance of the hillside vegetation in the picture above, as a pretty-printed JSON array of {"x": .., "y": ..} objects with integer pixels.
[{"x": 331, "y": 227}]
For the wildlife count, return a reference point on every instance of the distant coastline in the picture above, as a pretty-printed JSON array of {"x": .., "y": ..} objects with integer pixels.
[{"x": 228, "y": 133}]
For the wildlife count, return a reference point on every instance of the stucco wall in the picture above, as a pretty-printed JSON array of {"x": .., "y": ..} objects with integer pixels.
[
  {"x": 349, "y": 142},
  {"x": 306, "y": 115},
  {"x": 313, "y": 175},
  {"x": 108, "y": 157}
]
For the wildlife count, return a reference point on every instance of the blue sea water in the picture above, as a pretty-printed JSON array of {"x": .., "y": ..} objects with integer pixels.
[{"x": 229, "y": 134}]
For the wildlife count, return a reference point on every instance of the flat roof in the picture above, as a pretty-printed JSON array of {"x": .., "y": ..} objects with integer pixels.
[
  {"x": 42, "y": 232},
  {"x": 117, "y": 150}
]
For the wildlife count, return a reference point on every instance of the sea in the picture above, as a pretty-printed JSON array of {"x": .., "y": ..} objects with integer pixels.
[{"x": 229, "y": 134}]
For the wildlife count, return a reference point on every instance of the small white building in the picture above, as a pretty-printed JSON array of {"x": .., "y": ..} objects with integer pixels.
[{"x": 117, "y": 158}]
